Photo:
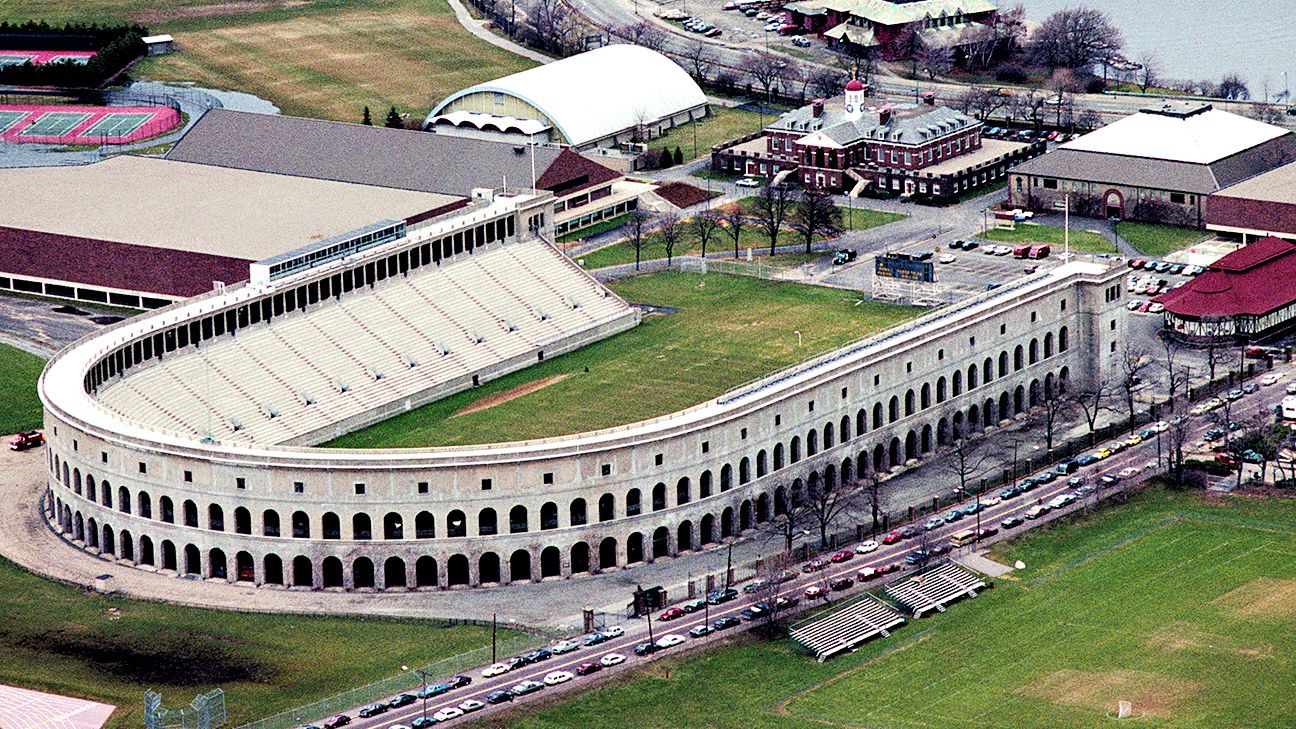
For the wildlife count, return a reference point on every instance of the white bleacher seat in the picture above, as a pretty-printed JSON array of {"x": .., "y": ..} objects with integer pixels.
[
  {"x": 848, "y": 627},
  {"x": 935, "y": 589}
]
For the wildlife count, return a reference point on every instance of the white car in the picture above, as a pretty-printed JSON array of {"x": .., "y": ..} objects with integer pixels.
[
  {"x": 1291, "y": 388},
  {"x": 1160, "y": 426},
  {"x": 991, "y": 501},
  {"x": 947, "y": 258},
  {"x": 748, "y": 182},
  {"x": 1128, "y": 472},
  {"x": 988, "y": 250},
  {"x": 495, "y": 669},
  {"x": 557, "y": 677},
  {"x": 671, "y": 639},
  {"x": 564, "y": 646},
  {"x": 616, "y": 631},
  {"x": 866, "y": 547},
  {"x": 448, "y": 713},
  {"x": 1058, "y": 501},
  {"x": 1272, "y": 378},
  {"x": 612, "y": 659},
  {"x": 1156, "y": 308},
  {"x": 471, "y": 705}
]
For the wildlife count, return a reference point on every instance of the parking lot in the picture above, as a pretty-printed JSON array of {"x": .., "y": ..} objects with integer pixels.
[{"x": 746, "y": 24}]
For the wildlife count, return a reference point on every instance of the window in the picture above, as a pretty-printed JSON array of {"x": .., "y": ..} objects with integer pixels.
[
  {"x": 486, "y": 484},
  {"x": 812, "y": 406},
  {"x": 188, "y": 476},
  {"x": 359, "y": 489},
  {"x": 1033, "y": 317},
  {"x": 422, "y": 487},
  {"x": 606, "y": 469},
  {"x": 908, "y": 366},
  {"x": 743, "y": 433},
  {"x": 547, "y": 479},
  {"x": 1063, "y": 306},
  {"x": 1050, "y": 183},
  {"x": 1003, "y": 328},
  {"x": 103, "y": 456},
  {"x": 971, "y": 341},
  {"x": 940, "y": 354},
  {"x": 240, "y": 483},
  {"x": 143, "y": 467},
  {"x": 1177, "y": 198},
  {"x": 706, "y": 444},
  {"x": 658, "y": 459},
  {"x": 298, "y": 487},
  {"x": 877, "y": 380}
]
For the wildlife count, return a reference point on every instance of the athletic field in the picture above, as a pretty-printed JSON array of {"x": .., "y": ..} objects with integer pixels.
[
  {"x": 721, "y": 331},
  {"x": 1180, "y": 606}
]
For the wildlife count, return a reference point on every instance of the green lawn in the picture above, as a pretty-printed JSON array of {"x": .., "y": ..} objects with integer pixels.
[
  {"x": 1081, "y": 240},
  {"x": 621, "y": 251},
  {"x": 1181, "y": 606},
  {"x": 600, "y": 227},
  {"x": 722, "y": 125},
  {"x": 729, "y": 330},
  {"x": 64, "y": 640},
  {"x": 20, "y": 408},
  {"x": 1158, "y": 240}
]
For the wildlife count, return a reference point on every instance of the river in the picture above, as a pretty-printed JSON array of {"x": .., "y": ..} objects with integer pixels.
[{"x": 1202, "y": 39}]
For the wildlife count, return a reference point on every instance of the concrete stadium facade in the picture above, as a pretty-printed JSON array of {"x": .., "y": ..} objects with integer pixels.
[{"x": 549, "y": 509}]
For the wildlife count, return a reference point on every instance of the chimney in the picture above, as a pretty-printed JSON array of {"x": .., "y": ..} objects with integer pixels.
[
  {"x": 884, "y": 116},
  {"x": 817, "y": 107}
]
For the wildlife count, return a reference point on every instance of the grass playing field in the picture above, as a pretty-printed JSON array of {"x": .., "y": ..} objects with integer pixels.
[
  {"x": 319, "y": 58},
  {"x": 20, "y": 408},
  {"x": 1081, "y": 240},
  {"x": 64, "y": 640},
  {"x": 728, "y": 330},
  {"x": 1180, "y": 606},
  {"x": 1158, "y": 240}
]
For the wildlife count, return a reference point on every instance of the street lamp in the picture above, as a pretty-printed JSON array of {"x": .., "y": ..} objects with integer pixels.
[{"x": 798, "y": 333}]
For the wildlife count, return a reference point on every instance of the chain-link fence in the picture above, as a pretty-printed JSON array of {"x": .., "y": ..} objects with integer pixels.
[{"x": 400, "y": 683}]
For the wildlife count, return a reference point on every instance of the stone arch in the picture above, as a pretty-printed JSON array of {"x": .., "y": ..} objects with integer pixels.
[
  {"x": 879, "y": 458},
  {"x": 192, "y": 560},
  {"x": 1036, "y": 393},
  {"x": 331, "y": 572},
  {"x": 361, "y": 526},
  {"x": 548, "y": 516},
  {"x": 425, "y": 572},
  {"x": 1050, "y": 386},
  {"x": 577, "y": 513},
  {"x": 684, "y": 536},
  {"x": 580, "y": 558},
  {"x": 456, "y": 524},
  {"x": 634, "y": 505},
  {"x": 704, "y": 484},
  {"x": 424, "y": 525},
  {"x": 1019, "y": 359},
  {"x": 956, "y": 380},
  {"x": 488, "y": 569},
  {"x": 362, "y": 573},
  {"x": 216, "y": 564},
  {"x": 909, "y": 402},
  {"x": 78, "y": 528},
  {"x": 941, "y": 395},
  {"x": 762, "y": 463},
  {"x": 988, "y": 414},
  {"x": 92, "y": 533},
  {"x": 550, "y": 562},
  {"x": 1032, "y": 352},
  {"x": 300, "y": 525},
  {"x": 893, "y": 409},
  {"x": 518, "y": 523},
  {"x": 123, "y": 500},
  {"x": 1003, "y": 364},
  {"x": 607, "y": 553},
  {"x": 861, "y": 422},
  {"x": 272, "y": 572},
  {"x": 109, "y": 540},
  {"x": 169, "y": 556},
  {"x": 896, "y": 456},
  {"x": 487, "y": 522},
  {"x": 330, "y": 526},
  {"x": 798, "y": 490},
  {"x": 795, "y": 448},
  {"x": 877, "y": 415},
  {"x": 828, "y": 436},
  {"x": 1063, "y": 339},
  {"x": 924, "y": 396},
  {"x": 269, "y": 522},
  {"x": 394, "y": 573},
  {"x": 189, "y": 513},
  {"x": 457, "y": 570},
  {"x": 661, "y": 542},
  {"x": 242, "y": 521},
  {"x": 762, "y": 508},
  {"x": 127, "y": 545},
  {"x": 393, "y": 526},
  {"x": 812, "y": 442},
  {"x": 778, "y": 456},
  {"x": 607, "y": 507},
  {"x": 925, "y": 439},
  {"x": 844, "y": 428},
  {"x": 1064, "y": 379},
  {"x": 144, "y": 505},
  {"x": 726, "y": 523},
  {"x": 1005, "y": 407},
  {"x": 244, "y": 567},
  {"x": 684, "y": 490},
  {"x": 1048, "y": 345},
  {"x": 659, "y": 496},
  {"x": 943, "y": 429},
  {"x": 911, "y": 445},
  {"x": 634, "y": 548},
  {"x": 987, "y": 371},
  {"x": 301, "y": 574},
  {"x": 745, "y": 516},
  {"x": 744, "y": 470},
  {"x": 706, "y": 530},
  {"x": 106, "y": 494}
]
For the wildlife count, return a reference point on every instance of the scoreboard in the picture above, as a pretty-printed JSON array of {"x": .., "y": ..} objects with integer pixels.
[{"x": 903, "y": 267}]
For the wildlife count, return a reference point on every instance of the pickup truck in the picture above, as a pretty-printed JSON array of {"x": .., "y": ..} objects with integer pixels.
[{"x": 25, "y": 441}]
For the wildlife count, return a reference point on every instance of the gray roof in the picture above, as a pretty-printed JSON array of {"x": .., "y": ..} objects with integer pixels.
[
  {"x": 908, "y": 125},
  {"x": 397, "y": 158},
  {"x": 1162, "y": 174}
]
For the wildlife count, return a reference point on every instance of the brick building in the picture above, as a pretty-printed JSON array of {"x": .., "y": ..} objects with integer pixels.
[
  {"x": 922, "y": 151},
  {"x": 878, "y": 25}
]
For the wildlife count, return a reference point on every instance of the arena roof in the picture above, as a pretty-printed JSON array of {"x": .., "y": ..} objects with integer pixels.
[
  {"x": 197, "y": 208},
  {"x": 598, "y": 93},
  {"x": 1277, "y": 185},
  {"x": 1196, "y": 133},
  {"x": 1253, "y": 280},
  {"x": 398, "y": 158}
]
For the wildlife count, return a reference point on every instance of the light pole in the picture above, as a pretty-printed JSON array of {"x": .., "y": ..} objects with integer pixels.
[
  {"x": 494, "y": 625},
  {"x": 424, "y": 694},
  {"x": 729, "y": 565}
]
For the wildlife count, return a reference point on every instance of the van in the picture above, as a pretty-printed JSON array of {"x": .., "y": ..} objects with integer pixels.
[
  {"x": 1021, "y": 251},
  {"x": 963, "y": 538},
  {"x": 1040, "y": 251}
]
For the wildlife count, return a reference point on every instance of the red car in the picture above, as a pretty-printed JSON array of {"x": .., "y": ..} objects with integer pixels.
[
  {"x": 672, "y": 613},
  {"x": 340, "y": 720},
  {"x": 891, "y": 538},
  {"x": 843, "y": 555},
  {"x": 1137, "y": 263},
  {"x": 867, "y": 574},
  {"x": 1227, "y": 460},
  {"x": 24, "y": 441},
  {"x": 814, "y": 592},
  {"x": 814, "y": 565},
  {"x": 587, "y": 668},
  {"x": 889, "y": 568}
]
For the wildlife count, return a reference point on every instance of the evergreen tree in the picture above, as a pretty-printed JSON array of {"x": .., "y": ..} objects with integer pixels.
[
  {"x": 666, "y": 159},
  {"x": 394, "y": 119},
  {"x": 679, "y": 156},
  {"x": 368, "y": 119}
]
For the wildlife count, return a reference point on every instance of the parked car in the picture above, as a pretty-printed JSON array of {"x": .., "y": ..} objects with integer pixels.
[
  {"x": 616, "y": 631},
  {"x": 499, "y": 697},
  {"x": 612, "y": 659},
  {"x": 866, "y": 547},
  {"x": 594, "y": 639},
  {"x": 406, "y": 699},
  {"x": 723, "y": 595},
  {"x": 526, "y": 687},
  {"x": 911, "y": 532},
  {"x": 693, "y": 606},
  {"x": 671, "y": 613},
  {"x": 725, "y": 623},
  {"x": 422, "y": 722},
  {"x": 701, "y": 631},
  {"x": 587, "y": 668},
  {"x": 814, "y": 592},
  {"x": 26, "y": 440},
  {"x": 841, "y": 583},
  {"x": 471, "y": 705},
  {"x": 372, "y": 710},
  {"x": 814, "y": 565},
  {"x": 336, "y": 722},
  {"x": 754, "y": 586},
  {"x": 429, "y": 691},
  {"x": 748, "y": 182},
  {"x": 498, "y": 669},
  {"x": 564, "y": 646},
  {"x": 842, "y": 555},
  {"x": 446, "y": 713},
  {"x": 669, "y": 640},
  {"x": 933, "y": 523},
  {"x": 892, "y": 537},
  {"x": 556, "y": 677},
  {"x": 1037, "y": 511},
  {"x": 645, "y": 649},
  {"x": 1011, "y": 522},
  {"x": 539, "y": 654}
]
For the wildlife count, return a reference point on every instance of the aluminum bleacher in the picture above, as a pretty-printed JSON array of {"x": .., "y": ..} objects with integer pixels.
[
  {"x": 284, "y": 380},
  {"x": 843, "y": 629},
  {"x": 934, "y": 589}
]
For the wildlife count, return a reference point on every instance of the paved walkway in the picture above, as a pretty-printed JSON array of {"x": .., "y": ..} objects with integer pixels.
[
  {"x": 979, "y": 562},
  {"x": 479, "y": 29}
]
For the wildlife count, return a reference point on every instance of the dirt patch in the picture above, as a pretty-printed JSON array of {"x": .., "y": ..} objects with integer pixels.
[
  {"x": 491, "y": 401},
  {"x": 683, "y": 195},
  {"x": 1182, "y": 636},
  {"x": 1263, "y": 597},
  {"x": 213, "y": 10},
  {"x": 1150, "y": 693}
]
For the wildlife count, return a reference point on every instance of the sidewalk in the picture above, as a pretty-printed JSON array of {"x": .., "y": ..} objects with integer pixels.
[{"x": 478, "y": 28}]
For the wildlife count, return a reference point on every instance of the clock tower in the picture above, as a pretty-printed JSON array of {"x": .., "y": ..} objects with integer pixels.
[{"x": 854, "y": 100}]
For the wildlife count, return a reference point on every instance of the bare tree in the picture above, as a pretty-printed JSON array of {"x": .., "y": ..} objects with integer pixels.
[
  {"x": 1233, "y": 87},
  {"x": 871, "y": 485},
  {"x": 638, "y": 221},
  {"x": 1176, "y": 373},
  {"x": 826, "y": 83},
  {"x": 770, "y": 211},
  {"x": 1149, "y": 70},
  {"x": 768, "y": 594},
  {"x": 700, "y": 59},
  {"x": 1054, "y": 407},
  {"x": 815, "y": 214},
  {"x": 936, "y": 60},
  {"x": 1133, "y": 363},
  {"x": 669, "y": 231},
  {"x": 909, "y": 45},
  {"x": 964, "y": 462},
  {"x": 1177, "y": 437},
  {"x": 791, "y": 520},
  {"x": 550, "y": 26},
  {"x": 1093, "y": 401},
  {"x": 1077, "y": 37},
  {"x": 981, "y": 102},
  {"x": 703, "y": 227},
  {"x": 735, "y": 219},
  {"x": 827, "y": 503},
  {"x": 984, "y": 42},
  {"x": 765, "y": 69}
]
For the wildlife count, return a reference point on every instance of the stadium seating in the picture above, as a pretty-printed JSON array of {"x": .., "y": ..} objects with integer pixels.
[
  {"x": 934, "y": 589},
  {"x": 848, "y": 627},
  {"x": 273, "y": 383}
]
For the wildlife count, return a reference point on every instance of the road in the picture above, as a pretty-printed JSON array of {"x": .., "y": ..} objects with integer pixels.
[{"x": 1141, "y": 457}]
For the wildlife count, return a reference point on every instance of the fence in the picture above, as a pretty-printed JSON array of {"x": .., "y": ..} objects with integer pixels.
[{"x": 400, "y": 683}]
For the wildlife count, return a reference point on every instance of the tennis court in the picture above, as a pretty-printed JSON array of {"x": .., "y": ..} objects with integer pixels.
[
  {"x": 55, "y": 124},
  {"x": 116, "y": 125},
  {"x": 10, "y": 118},
  {"x": 16, "y": 59}
]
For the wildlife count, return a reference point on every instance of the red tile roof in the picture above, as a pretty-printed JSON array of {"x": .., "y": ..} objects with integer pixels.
[
  {"x": 571, "y": 171},
  {"x": 93, "y": 262},
  {"x": 1253, "y": 280}
]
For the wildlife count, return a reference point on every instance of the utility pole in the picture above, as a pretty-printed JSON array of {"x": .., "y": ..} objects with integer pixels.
[
  {"x": 494, "y": 625},
  {"x": 729, "y": 565},
  {"x": 651, "y": 639}
]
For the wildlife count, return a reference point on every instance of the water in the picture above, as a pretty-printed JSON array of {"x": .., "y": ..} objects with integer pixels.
[{"x": 1202, "y": 39}]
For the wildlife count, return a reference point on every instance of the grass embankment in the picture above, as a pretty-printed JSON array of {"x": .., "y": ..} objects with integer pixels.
[
  {"x": 721, "y": 125},
  {"x": 728, "y": 330},
  {"x": 20, "y": 408},
  {"x": 1083, "y": 241},
  {"x": 67, "y": 641},
  {"x": 1158, "y": 240},
  {"x": 1180, "y": 606}
]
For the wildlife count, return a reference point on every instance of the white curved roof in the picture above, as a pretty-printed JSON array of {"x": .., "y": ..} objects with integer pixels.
[
  {"x": 1193, "y": 133},
  {"x": 600, "y": 92}
]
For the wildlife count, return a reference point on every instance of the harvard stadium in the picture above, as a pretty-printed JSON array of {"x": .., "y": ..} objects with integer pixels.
[{"x": 184, "y": 441}]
